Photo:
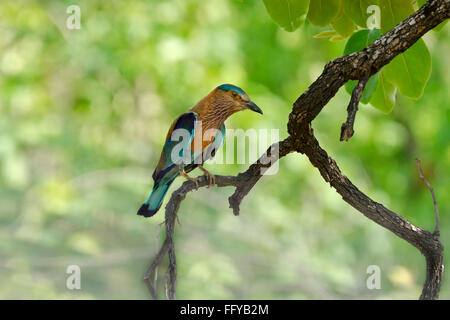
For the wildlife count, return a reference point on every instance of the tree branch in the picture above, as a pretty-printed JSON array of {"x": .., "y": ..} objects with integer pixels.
[
  {"x": 428, "y": 244},
  {"x": 369, "y": 61},
  {"x": 436, "y": 209},
  {"x": 356, "y": 66},
  {"x": 243, "y": 183},
  {"x": 347, "y": 127}
]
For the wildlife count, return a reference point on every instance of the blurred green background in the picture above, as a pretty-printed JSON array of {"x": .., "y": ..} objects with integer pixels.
[{"x": 83, "y": 116}]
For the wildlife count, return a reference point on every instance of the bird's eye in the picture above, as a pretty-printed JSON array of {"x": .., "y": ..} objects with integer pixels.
[{"x": 235, "y": 95}]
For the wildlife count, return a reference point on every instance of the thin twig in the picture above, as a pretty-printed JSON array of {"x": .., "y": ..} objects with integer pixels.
[
  {"x": 155, "y": 280},
  {"x": 166, "y": 284},
  {"x": 347, "y": 130},
  {"x": 155, "y": 263},
  {"x": 436, "y": 209}
]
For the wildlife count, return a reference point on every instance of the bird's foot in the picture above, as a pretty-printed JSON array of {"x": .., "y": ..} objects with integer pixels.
[
  {"x": 211, "y": 177},
  {"x": 185, "y": 175}
]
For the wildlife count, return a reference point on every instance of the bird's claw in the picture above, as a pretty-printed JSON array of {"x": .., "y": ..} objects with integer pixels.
[
  {"x": 212, "y": 180},
  {"x": 196, "y": 181},
  {"x": 211, "y": 177},
  {"x": 185, "y": 175}
]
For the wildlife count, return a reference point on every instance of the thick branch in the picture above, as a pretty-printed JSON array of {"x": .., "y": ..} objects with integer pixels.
[
  {"x": 357, "y": 66},
  {"x": 418, "y": 237},
  {"x": 366, "y": 62}
]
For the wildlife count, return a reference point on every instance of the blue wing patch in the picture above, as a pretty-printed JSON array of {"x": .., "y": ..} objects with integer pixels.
[{"x": 187, "y": 122}]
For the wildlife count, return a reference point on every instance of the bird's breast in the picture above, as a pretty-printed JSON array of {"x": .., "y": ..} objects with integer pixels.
[{"x": 203, "y": 138}]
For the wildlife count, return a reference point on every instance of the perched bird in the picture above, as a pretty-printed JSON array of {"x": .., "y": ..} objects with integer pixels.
[{"x": 204, "y": 125}]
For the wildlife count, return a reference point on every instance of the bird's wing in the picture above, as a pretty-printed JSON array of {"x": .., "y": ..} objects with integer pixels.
[
  {"x": 218, "y": 141},
  {"x": 186, "y": 121}
]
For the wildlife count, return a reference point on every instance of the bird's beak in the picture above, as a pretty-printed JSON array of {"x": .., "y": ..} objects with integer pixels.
[{"x": 252, "y": 106}]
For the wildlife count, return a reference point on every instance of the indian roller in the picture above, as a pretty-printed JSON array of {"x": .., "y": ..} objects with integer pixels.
[{"x": 204, "y": 133}]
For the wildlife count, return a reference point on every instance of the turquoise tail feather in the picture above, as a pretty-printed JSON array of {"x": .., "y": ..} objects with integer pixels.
[{"x": 155, "y": 200}]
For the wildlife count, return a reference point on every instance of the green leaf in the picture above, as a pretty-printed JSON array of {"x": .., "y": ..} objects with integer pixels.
[
  {"x": 337, "y": 38},
  {"x": 421, "y": 2},
  {"x": 325, "y": 34},
  {"x": 440, "y": 26},
  {"x": 322, "y": 12},
  {"x": 371, "y": 85},
  {"x": 361, "y": 39},
  {"x": 357, "y": 10},
  {"x": 410, "y": 71},
  {"x": 384, "y": 96},
  {"x": 393, "y": 12},
  {"x": 343, "y": 24},
  {"x": 357, "y": 42},
  {"x": 289, "y": 14}
]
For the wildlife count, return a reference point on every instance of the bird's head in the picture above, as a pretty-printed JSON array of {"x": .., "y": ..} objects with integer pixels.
[{"x": 235, "y": 98}]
